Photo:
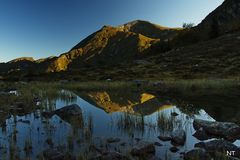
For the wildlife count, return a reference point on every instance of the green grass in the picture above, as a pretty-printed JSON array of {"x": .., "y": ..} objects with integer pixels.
[{"x": 198, "y": 87}]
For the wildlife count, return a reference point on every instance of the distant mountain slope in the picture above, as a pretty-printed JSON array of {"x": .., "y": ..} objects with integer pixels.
[
  {"x": 150, "y": 30},
  {"x": 109, "y": 46},
  {"x": 18, "y": 64}
]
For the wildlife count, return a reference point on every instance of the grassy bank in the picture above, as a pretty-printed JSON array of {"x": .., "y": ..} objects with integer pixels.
[{"x": 181, "y": 86}]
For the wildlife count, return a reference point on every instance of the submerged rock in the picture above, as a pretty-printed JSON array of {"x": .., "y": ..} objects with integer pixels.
[
  {"x": 174, "y": 149},
  {"x": 113, "y": 140},
  {"x": 143, "y": 149},
  {"x": 58, "y": 153},
  {"x": 178, "y": 137},
  {"x": 53, "y": 154},
  {"x": 219, "y": 146},
  {"x": 157, "y": 144},
  {"x": 110, "y": 156},
  {"x": 197, "y": 153},
  {"x": 165, "y": 138},
  {"x": 227, "y": 130}
]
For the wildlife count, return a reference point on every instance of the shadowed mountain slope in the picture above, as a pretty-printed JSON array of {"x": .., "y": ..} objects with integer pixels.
[{"x": 225, "y": 19}]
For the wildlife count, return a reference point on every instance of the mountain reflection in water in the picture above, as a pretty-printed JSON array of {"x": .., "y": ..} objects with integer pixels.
[{"x": 125, "y": 115}]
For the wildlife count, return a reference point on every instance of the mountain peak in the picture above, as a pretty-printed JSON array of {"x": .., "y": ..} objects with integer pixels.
[
  {"x": 148, "y": 29},
  {"x": 22, "y": 59},
  {"x": 140, "y": 23}
]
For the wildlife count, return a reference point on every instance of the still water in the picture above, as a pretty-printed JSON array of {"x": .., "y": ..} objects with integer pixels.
[{"x": 105, "y": 115}]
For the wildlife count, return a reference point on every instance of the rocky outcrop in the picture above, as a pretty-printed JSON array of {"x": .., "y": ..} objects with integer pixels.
[
  {"x": 227, "y": 130},
  {"x": 201, "y": 135}
]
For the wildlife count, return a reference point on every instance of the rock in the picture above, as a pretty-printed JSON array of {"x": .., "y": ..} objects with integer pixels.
[
  {"x": 143, "y": 149},
  {"x": 202, "y": 135},
  {"x": 37, "y": 101},
  {"x": 165, "y": 138},
  {"x": 13, "y": 92},
  {"x": 113, "y": 140},
  {"x": 178, "y": 137},
  {"x": 227, "y": 130},
  {"x": 71, "y": 114},
  {"x": 174, "y": 114},
  {"x": 157, "y": 144},
  {"x": 110, "y": 156},
  {"x": 53, "y": 154},
  {"x": 197, "y": 153},
  {"x": 219, "y": 146},
  {"x": 174, "y": 149},
  {"x": 67, "y": 111}
]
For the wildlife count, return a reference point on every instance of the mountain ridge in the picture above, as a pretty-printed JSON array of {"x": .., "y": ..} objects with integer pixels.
[{"x": 120, "y": 47}]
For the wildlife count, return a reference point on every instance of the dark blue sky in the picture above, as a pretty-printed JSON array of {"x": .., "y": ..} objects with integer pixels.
[{"x": 41, "y": 28}]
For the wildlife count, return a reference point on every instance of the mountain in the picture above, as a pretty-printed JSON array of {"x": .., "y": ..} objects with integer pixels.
[
  {"x": 140, "y": 49},
  {"x": 223, "y": 20},
  {"x": 150, "y": 30},
  {"x": 108, "y": 46}
]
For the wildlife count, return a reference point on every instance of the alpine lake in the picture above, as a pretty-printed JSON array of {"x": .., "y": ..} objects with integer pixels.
[{"x": 140, "y": 120}]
